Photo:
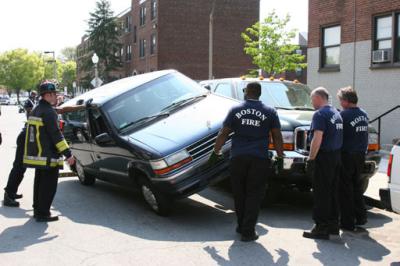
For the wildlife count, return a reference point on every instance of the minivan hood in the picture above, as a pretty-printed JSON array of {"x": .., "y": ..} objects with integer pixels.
[
  {"x": 185, "y": 126},
  {"x": 290, "y": 119}
]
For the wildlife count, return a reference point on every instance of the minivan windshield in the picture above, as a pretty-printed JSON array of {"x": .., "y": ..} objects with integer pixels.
[
  {"x": 282, "y": 95},
  {"x": 153, "y": 100}
]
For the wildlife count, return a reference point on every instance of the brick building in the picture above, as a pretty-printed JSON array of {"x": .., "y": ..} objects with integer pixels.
[
  {"x": 174, "y": 34},
  {"x": 357, "y": 43}
]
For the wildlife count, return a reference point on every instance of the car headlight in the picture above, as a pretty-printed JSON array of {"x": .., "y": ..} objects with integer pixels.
[
  {"x": 288, "y": 141},
  {"x": 373, "y": 142},
  {"x": 171, "y": 162}
]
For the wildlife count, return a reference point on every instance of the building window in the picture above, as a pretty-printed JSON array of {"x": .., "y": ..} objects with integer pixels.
[
  {"x": 128, "y": 24},
  {"x": 383, "y": 33},
  {"x": 153, "y": 44},
  {"x": 134, "y": 34},
  {"x": 142, "y": 15},
  {"x": 331, "y": 47},
  {"x": 153, "y": 9},
  {"x": 128, "y": 55},
  {"x": 142, "y": 48},
  {"x": 386, "y": 46},
  {"x": 122, "y": 54}
]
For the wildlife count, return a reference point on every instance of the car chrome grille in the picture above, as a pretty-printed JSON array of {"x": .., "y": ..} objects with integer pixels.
[
  {"x": 302, "y": 143},
  {"x": 203, "y": 146}
]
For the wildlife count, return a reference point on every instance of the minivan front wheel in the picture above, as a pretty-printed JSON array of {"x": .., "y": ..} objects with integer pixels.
[
  {"x": 84, "y": 177},
  {"x": 158, "y": 202}
]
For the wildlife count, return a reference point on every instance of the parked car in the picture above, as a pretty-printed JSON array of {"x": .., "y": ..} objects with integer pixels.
[
  {"x": 153, "y": 132},
  {"x": 292, "y": 101},
  {"x": 4, "y": 100},
  {"x": 390, "y": 196}
]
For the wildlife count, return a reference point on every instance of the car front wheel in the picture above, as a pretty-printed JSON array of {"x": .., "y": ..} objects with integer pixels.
[
  {"x": 85, "y": 178},
  {"x": 158, "y": 202}
]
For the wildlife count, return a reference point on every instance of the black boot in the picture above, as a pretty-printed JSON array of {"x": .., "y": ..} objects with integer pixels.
[
  {"x": 334, "y": 229},
  {"x": 44, "y": 219},
  {"x": 318, "y": 232},
  {"x": 9, "y": 201}
]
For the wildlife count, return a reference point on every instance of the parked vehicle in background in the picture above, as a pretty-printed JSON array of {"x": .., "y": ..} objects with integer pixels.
[
  {"x": 4, "y": 100},
  {"x": 153, "y": 132},
  {"x": 292, "y": 101},
  {"x": 390, "y": 196},
  {"x": 13, "y": 101}
]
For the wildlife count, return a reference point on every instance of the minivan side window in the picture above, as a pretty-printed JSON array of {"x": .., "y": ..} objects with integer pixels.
[
  {"x": 78, "y": 116},
  {"x": 97, "y": 124},
  {"x": 224, "y": 89}
]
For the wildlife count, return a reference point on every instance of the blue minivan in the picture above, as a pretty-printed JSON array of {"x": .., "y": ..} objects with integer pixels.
[{"x": 153, "y": 132}]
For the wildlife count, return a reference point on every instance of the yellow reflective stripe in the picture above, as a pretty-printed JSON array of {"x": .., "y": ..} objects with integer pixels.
[
  {"x": 35, "y": 122},
  {"x": 26, "y": 140},
  {"x": 43, "y": 163},
  {"x": 62, "y": 146},
  {"x": 34, "y": 162},
  {"x": 39, "y": 145}
]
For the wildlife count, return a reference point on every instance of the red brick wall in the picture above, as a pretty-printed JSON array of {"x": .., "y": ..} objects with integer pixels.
[
  {"x": 325, "y": 12},
  {"x": 183, "y": 28}
]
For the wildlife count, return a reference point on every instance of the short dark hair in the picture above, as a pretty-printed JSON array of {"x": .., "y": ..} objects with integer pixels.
[
  {"x": 254, "y": 89},
  {"x": 322, "y": 92},
  {"x": 348, "y": 94}
]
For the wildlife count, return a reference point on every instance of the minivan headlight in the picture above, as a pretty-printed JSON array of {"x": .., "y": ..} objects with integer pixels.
[{"x": 171, "y": 162}]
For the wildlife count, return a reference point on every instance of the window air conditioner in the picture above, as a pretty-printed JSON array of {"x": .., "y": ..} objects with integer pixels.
[{"x": 381, "y": 56}]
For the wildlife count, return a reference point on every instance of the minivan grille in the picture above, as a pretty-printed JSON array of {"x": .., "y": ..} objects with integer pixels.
[
  {"x": 203, "y": 146},
  {"x": 302, "y": 143}
]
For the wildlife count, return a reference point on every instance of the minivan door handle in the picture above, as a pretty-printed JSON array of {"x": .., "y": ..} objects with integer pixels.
[{"x": 98, "y": 156}]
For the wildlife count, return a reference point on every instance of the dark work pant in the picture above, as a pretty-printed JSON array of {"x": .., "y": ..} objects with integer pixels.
[
  {"x": 325, "y": 188},
  {"x": 18, "y": 170},
  {"x": 248, "y": 178},
  {"x": 351, "y": 198},
  {"x": 44, "y": 190}
]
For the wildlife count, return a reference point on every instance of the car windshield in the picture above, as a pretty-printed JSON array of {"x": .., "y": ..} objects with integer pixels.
[
  {"x": 282, "y": 95},
  {"x": 152, "y": 100}
]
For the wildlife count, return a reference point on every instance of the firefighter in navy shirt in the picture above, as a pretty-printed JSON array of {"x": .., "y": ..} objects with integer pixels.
[
  {"x": 326, "y": 142},
  {"x": 251, "y": 122},
  {"x": 355, "y": 146}
]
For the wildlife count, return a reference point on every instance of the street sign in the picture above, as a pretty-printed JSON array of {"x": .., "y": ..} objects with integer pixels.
[{"x": 99, "y": 82}]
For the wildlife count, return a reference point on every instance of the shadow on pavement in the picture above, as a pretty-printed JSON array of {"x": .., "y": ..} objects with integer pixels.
[
  {"x": 125, "y": 211},
  {"x": 352, "y": 247},
  {"x": 17, "y": 238},
  {"x": 11, "y": 212},
  {"x": 247, "y": 254}
]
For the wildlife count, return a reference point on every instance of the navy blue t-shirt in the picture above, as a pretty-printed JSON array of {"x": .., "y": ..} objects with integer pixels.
[
  {"x": 355, "y": 130},
  {"x": 328, "y": 120},
  {"x": 251, "y": 123}
]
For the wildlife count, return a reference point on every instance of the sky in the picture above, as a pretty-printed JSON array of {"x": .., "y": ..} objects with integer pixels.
[{"x": 50, "y": 25}]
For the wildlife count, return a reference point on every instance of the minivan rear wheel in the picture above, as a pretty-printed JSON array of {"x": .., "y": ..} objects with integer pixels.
[
  {"x": 157, "y": 201},
  {"x": 85, "y": 178}
]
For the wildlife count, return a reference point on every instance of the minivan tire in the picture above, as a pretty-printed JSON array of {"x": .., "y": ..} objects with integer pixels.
[
  {"x": 84, "y": 178},
  {"x": 157, "y": 201}
]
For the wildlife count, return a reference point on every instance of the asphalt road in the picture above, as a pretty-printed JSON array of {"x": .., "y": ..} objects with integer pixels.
[{"x": 107, "y": 225}]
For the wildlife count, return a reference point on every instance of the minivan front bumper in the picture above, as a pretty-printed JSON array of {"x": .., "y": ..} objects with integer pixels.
[{"x": 193, "y": 178}]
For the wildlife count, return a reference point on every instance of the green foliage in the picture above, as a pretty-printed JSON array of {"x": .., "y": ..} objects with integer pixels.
[
  {"x": 68, "y": 75},
  {"x": 269, "y": 45},
  {"x": 20, "y": 70},
  {"x": 104, "y": 38}
]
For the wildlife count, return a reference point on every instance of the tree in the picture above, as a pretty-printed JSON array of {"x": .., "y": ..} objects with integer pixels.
[
  {"x": 68, "y": 54},
  {"x": 68, "y": 75},
  {"x": 269, "y": 45},
  {"x": 20, "y": 70},
  {"x": 104, "y": 39}
]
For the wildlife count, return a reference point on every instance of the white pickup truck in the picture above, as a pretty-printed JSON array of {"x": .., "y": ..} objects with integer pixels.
[{"x": 391, "y": 195}]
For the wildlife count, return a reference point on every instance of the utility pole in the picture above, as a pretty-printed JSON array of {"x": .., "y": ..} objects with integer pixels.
[{"x": 211, "y": 42}]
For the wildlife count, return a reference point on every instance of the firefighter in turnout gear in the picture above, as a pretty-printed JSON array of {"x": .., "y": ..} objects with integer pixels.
[{"x": 44, "y": 145}]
